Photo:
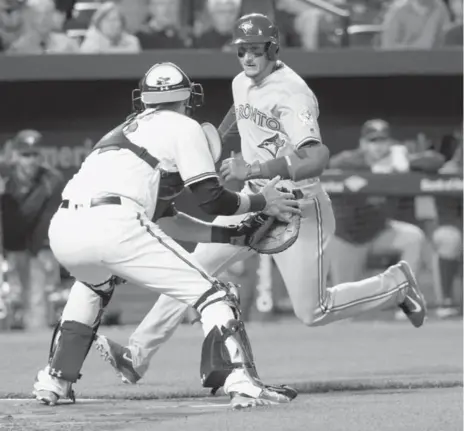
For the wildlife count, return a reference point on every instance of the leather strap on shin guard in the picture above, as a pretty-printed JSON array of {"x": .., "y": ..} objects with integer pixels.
[
  {"x": 70, "y": 350},
  {"x": 216, "y": 363}
]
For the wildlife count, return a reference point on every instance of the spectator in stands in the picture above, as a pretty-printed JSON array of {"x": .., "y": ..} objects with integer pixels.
[
  {"x": 306, "y": 26},
  {"x": 454, "y": 34},
  {"x": 40, "y": 36},
  {"x": 415, "y": 24},
  {"x": 447, "y": 237},
  {"x": 366, "y": 11},
  {"x": 32, "y": 193},
  {"x": 11, "y": 22},
  {"x": 365, "y": 224},
  {"x": 62, "y": 13},
  {"x": 107, "y": 33},
  {"x": 222, "y": 16},
  {"x": 164, "y": 29}
]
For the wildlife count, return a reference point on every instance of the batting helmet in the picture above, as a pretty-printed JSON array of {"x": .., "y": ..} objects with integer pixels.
[
  {"x": 257, "y": 28},
  {"x": 167, "y": 83}
]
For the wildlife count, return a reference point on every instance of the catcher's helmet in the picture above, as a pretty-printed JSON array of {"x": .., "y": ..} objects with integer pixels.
[
  {"x": 257, "y": 28},
  {"x": 167, "y": 83}
]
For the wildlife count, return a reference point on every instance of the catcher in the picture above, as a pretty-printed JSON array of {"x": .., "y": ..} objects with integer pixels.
[{"x": 275, "y": 114}]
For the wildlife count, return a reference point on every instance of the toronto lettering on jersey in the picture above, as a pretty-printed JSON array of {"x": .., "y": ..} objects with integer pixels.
[{"x": 247, "y": 112}]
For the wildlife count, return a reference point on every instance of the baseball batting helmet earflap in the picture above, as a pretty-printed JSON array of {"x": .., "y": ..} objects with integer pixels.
[
  {"x": 167, "y": 83},
  {"x": 257, "y": 28}
]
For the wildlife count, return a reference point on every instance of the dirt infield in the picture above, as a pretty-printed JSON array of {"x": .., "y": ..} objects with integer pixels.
[
  {"x": 372, "y": 376},
  {"x": 425, "y": 409}
]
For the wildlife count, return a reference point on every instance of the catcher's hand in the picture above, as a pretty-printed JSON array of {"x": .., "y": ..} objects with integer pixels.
[{"x": 267, "y": 234}]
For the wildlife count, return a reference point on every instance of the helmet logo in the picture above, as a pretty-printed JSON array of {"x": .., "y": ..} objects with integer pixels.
[
  {"x": 163, "y": 80},
  {"x": 246, "y": 27}
]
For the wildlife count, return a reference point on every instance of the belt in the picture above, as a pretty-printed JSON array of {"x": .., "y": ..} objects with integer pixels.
[{"x": 95, "y": 202}]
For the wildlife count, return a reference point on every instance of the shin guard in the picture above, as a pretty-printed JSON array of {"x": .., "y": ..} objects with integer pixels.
[
  {"x": 70, "y": 346},
  {"x": 216, "y": 363},
  {"x": 72, "y": 340}
]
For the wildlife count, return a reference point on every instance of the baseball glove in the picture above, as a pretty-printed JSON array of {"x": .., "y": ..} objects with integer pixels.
[{"x": 270, "y": 235}]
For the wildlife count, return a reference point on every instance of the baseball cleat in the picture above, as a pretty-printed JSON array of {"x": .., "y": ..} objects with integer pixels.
[
  {"x": 267, "y": 397},
  {"x": 51, "y": 398},
  {"x": 414, "y": 305},
  {"x": 46, "y": 397},
  {"x": 285, "y": 390},
  {"x": 119, "y": 357}
]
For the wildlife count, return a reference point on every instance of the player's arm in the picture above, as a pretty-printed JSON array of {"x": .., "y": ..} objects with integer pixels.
[
  {"x": 196, "y": 167},
  {"x": 183, "y": 227},
  {"x": 309, "y": 159},
  {"x": 426, "y": 161},
  {"x": 349, "y": 159}
]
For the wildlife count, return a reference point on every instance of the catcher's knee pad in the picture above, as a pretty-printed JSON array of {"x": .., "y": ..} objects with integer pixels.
[
  {"x": 105, "y": 290},
  {"x": 70, "y": 345},
  {"x": 220, "y": 292},
  {"x": 216, "y": 363}
]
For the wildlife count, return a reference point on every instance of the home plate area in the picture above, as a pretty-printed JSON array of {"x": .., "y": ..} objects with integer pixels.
[{"x": 90, "y": 414}]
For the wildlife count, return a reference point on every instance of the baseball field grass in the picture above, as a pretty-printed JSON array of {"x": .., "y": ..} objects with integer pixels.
[{"x": 352, "y": 376}]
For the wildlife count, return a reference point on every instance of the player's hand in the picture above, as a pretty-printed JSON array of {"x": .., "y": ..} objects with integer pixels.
[
  {"x": 234, "y": 168},
  {"x": 279, "y": 204}
]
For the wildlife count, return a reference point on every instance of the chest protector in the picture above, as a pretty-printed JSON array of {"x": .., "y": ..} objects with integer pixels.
[
  {"x": 171, "y": 183},
  {"x": 117, "y": 140}
]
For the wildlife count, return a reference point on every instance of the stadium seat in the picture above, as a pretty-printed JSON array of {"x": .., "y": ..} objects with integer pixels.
[{"x": 362, "y": 35}]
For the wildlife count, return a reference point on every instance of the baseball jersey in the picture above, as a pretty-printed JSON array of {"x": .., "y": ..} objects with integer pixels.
[
  {"x": 177, "y": 141},
  {"x": 275, "y": 117}
]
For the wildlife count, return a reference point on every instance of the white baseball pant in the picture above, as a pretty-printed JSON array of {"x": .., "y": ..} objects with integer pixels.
[
  {"x": 96, "y": 243},
  {"x": 303, "y": 267}
]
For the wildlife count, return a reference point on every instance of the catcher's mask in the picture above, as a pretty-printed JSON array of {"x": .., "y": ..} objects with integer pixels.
[{"x": 167, "y": 83}]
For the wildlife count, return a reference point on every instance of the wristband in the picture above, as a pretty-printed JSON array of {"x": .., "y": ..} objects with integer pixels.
[
  {"x": 254, "y": 171},
  {"x": 222, "y": 234},
  {"x": 257, "y": 202}
]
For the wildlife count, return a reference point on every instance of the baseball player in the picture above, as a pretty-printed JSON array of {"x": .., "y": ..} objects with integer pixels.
[
  {"x": 103, "y": 233},
  {"x": 276, "y": 114}
]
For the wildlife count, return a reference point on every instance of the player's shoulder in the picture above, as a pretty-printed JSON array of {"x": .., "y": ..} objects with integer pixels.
[
  {"x": 240, "y": 80},
  {"x": 167, "y": 118},
  {"x": 288, "y": 82}
]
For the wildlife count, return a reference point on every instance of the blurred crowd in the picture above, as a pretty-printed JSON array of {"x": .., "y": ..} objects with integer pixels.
[
  {"x": 425, "y": 231},
  {"x": 130, "y": 26}
]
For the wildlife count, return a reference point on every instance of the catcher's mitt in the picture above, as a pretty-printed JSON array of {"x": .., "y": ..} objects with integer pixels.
[{"x": 271, "y": 235}]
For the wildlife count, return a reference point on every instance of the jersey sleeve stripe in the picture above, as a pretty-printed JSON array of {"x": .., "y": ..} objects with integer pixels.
[
  {"x": 308, "y": 138},
  {"x": 200, "y": 177}
]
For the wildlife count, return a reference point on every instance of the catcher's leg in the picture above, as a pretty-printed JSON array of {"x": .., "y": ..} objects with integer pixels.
[
  {"x": 168, "y": 313},
  {"x": 315, "y": 304},
  {"x": 159, "y": 263},
  {"x": 226, "y": 358},
  {"x": 72, "y": 339}
]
